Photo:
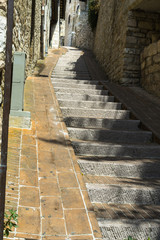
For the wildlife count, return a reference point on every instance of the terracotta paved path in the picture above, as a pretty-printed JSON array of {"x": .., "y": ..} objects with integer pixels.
[{"x": 44, "y": 181}]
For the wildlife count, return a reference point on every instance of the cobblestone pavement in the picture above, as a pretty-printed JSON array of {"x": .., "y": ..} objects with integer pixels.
[{"x": 44, "y": 182}]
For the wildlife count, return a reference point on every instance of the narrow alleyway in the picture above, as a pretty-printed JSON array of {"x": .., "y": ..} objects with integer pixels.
[
  {"x": 119, "y": 159},
  {"x": 44, "y": 181}
]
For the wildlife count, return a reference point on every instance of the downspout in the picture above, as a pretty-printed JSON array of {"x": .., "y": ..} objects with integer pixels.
[{"x": 6, "y": 111}]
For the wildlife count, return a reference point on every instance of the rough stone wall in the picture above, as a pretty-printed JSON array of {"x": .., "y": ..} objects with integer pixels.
[
  {"x": 150, "y": 68},
  {"x": 83, "y": 32},
  {"x": 70, "y": 22},
  {"x": 143, "y": 28},
  {"x": 78, "y": 32},
  {"x": 121, "y": 36},
  {"x": 110, "y": 37},
  {"x": 21, "y": 34},
  {"x": 22, "y": 40},
  {"x": 56, "y": 32},
  {"x": 3, "y": 23}
]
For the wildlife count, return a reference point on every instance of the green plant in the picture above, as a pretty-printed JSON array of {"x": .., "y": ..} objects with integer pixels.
[
  {"x": 10, "y": 221},
  {"x": 130, "y": 238},
  {"x": 93, "y": 10}
]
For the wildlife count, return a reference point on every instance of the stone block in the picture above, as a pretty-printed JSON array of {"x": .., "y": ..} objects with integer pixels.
[
  {"x": 154, "y": 68},
  {"x": 131, "y": 39},
  {"x": 143, "y": 64},
  {"x": 156, "y": 58},
  {"x": 139, "y": 35},
  {"x": 132, "y": 23},
  {"x": 132, "y": 67},
  {"x": 145, "y": 25},
  {"x": 157, "y": 77},
  {"x": 155, "y": 37},
  {"x": 152, "y": 49},
  {"x": 148, "y": 61},
  {"x": 158, "y": 46}
]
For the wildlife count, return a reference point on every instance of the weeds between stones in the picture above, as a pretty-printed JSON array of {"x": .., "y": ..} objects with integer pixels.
[{"x": 10, "y": 221}]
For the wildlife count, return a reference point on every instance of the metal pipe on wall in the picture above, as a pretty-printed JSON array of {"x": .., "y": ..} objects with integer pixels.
[{"x": 6, "y": 111}]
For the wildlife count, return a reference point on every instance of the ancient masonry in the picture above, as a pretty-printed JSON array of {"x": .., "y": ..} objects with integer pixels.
[
  {"x": 26, "y": 32},
  {"x": 77, "y": 29},
  {"x": 127, "y": 32}
]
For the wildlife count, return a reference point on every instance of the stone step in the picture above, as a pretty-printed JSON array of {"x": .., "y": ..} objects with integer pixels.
[
  {"x": 80, "y": 91},
  {"x": 73, "y": 81},
  {"x": 143, "y": 168},
  {"x": 71, "y": 77},
  {"x": 71, "y": 72},
  {"x": 121, "y": 229},
  {"x": 148, "y": 151},
  {"x": 68, "y": 70},
  {"x": 121, "y": 193},
  {"x": 126, "y": 211},
  {"x": 110, "y": 136},
  {"x": 95, "y": 113},
  {"x": 75, "y": 85},
  {"x": 84, "y": 97},
  {"x": 102, "y": 123},
  {"x": 90, "y": 104}
]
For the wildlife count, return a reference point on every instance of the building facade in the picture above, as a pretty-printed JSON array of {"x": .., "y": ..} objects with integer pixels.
[
  {"x": 36, "y": 28},
  {"x": 127, "y": 42},
  {"x": 78, "y": 32}
]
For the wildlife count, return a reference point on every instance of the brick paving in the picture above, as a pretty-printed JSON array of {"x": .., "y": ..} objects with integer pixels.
[{"x": 44, "y": 182}]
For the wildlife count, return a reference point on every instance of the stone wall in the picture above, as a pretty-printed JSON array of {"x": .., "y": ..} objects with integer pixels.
[
  {"x": 83, "y": 32},
  {"x": 25, "y": 37},
  {"x": 121, "y": 36},
  {"x": 77, "y": 29},
  {"x": 143, "y": 28},
  {"x": 55, "y": 31},
  {"x": 150, "y": 68},
  {"x": 26, "y": 33},
  {"x": 110, "y": 38},
  {"x": 3, "y": 23}
]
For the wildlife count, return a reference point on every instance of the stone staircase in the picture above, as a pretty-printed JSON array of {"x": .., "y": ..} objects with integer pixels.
[{"x": 120, "y": 161}]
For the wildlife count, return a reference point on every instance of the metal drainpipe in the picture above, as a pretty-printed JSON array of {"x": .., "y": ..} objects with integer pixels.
[{"x": 6, "y": 110}]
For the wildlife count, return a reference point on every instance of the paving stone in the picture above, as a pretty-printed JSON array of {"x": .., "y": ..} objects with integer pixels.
[
  {"x": 28, "y": 162},
  {"x": 51, "y": 207},
  {"x": 29, "y": 220},
  {"x": 29, "y": 197},
  {"x": 77, "y": 222},
  {"x": 67, "y": 180},
  {"x": 53, "y": 226},
  {"x": 28, "y": 177},
  {"x": 71, "y": 198},
  {"x": 49, "y": 187}
]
